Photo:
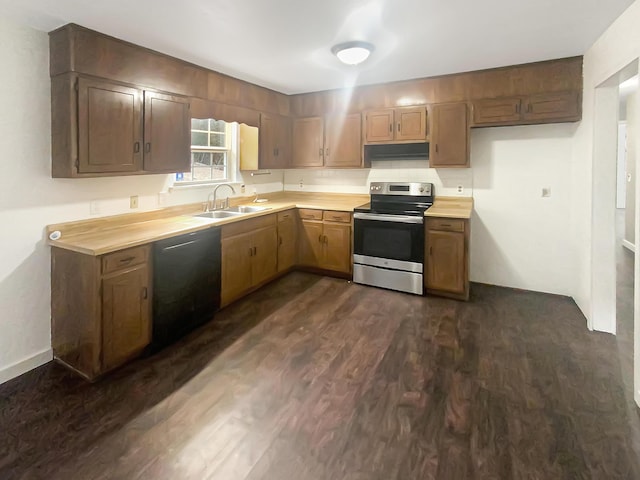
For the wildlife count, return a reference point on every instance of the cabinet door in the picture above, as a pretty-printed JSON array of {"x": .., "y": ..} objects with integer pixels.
[
  {"x": 237, "y": 253},
  {"x": 337, "y": 247},
  {"x": 379, "y": 126},
  {"x": 167, "y": 133},
  {"x": 449, "y": 146},
  {"x": 126, "y": 321},
  {"x": 275, "y": 141},
  {"x": 343, "y": 141},
  {"x": 552, "y": 107},
  {"x": 310, "y": 243},
  {"x": 411, "y": 124},
  {"x": 497, "y": 111},
  {"x": 445, "y": 261},
  {"x": 109, "y": 127},
  {"x": 308, "y": 142},
  {"x": 264, "y": 260},
  {"x": 287, "y": 242}
]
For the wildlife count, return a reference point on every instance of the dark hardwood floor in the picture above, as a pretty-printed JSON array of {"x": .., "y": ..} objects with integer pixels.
[{"x": 316, "y": 378}]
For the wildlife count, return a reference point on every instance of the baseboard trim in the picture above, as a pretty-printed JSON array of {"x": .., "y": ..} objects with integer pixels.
[
  {"x": 23, "y": 366},
  {"x": 630, "y": 246}
]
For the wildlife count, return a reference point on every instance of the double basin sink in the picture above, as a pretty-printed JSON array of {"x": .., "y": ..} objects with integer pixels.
[{"x": 232, "y": 211}]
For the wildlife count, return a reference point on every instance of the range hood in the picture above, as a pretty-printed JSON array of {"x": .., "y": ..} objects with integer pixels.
[{"x": 397, "y": 151}]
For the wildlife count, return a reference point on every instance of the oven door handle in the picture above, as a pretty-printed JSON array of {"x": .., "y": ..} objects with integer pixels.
[{"x": 389, "y": 218}]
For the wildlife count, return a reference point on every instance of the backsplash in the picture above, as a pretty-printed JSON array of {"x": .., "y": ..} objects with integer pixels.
[{"x": 446, "y": 181}]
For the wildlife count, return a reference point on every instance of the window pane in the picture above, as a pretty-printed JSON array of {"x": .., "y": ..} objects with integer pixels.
[
  {"x": 199, "y": 159},
  {"x": 218, "y": 158},
  {"x": 200, "y": 124},
  {"x": 217, "y": 140},
  {"x": 217, "y": 125},
  {"x": 199, "y": 139}
]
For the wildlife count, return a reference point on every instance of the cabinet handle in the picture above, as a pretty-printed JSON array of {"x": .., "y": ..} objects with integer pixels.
[
  {"x": 517, "y": 108},
  {"x": 147, "y": 147},
  {"x": 250, "y": 252},
  {"x": 127, "y": 259},
  {"x": 280, "y": 241},
  {"x": 398, "y": 127},
  {"x": 390, "y": 128},
  {"x": 430, "y": 251},
  {"x": 320, "y": 238},
  {"x": 320, "y": 151},
  {"x": 145, "y": 293},
  {"x": 275, "y": 152},
  {"x": 436, "y": 148},
  {"x": 255, "y": 251},
  {"x": 327, "y": 152},
  {"x": 136, "y": 147}
]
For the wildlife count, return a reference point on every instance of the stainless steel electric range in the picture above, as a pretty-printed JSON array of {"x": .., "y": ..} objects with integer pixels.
[{"x": 389, "y": 236}]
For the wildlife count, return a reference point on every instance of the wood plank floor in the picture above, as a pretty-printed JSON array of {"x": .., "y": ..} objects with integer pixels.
[{"x": 316, "y": 378}]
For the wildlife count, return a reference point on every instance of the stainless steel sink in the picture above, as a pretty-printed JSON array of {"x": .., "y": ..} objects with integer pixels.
[
  {"x": 218, "y": 214},
  {"x": 246, "y": 209}
]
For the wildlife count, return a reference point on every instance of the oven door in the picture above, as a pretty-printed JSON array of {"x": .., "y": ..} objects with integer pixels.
[{"x": 389, "y": 241}]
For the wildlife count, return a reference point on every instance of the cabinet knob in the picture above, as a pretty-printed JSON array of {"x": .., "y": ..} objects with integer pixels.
[
  {"x": 136, "y": 147},
  {"x": 147, "y": 147}
]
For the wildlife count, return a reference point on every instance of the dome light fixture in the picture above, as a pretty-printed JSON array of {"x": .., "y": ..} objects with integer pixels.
[{"x": 352, "y": 53}]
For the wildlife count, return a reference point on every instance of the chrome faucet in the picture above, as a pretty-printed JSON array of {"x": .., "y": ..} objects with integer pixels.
[{"x": 211, "y": 199}]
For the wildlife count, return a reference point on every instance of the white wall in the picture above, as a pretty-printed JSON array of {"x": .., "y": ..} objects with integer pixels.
[
  {"x": 445, "y": 181},
  {"x": 518, "y": 237},
  {"x": 30, "y": 199}
]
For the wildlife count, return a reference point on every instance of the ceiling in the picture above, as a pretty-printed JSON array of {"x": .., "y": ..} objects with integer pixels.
[{"x": 285, "y": 44}]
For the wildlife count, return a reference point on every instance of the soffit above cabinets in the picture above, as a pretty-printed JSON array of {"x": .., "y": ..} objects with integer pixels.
[{"x": 286, "y": 45}]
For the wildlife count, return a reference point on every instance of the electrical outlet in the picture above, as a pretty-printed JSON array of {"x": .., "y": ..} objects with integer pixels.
[
  {"x": 301, "y": 184},
  {"x": 460, "y": 190},
  {"x": 546, "y": 192},
  {"x": 242, "y": 188},
  {"x": 133, "y": 201}
]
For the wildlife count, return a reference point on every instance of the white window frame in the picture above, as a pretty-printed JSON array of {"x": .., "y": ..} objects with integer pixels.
[{"x": 231, "y": 138}]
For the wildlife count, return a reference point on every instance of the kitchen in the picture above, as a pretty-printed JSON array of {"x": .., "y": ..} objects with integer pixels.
[{"x": 545, "y": 267}]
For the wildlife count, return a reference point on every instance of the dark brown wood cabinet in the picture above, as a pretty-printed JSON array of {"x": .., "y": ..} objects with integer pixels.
[
  {"x": 249, "y": 256},
  {"x": 396, "y": 125},
  {"x": 287, "y": 240},
  {"x": 325, "y": 240},
  {"x": 532, "y": 109},
  {"x": 449, "y": 143},
  {"x": 275, "y": 141},
  {"x": 447, "y": 257},
  {"x": 105, "y": 128},
  {"x": 333, "y": 141},
  {"x": 100, "y": 308},
  {"x": 167, "y": 133}
]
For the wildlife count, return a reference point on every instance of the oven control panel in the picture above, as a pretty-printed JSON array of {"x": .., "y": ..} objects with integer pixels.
[{"x": 400, "y": 188}]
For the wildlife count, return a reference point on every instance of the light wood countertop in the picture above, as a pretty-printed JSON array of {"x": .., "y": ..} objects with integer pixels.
[
  {"x": 108, "y": 234},
  {"x": 451, "y": 207}
]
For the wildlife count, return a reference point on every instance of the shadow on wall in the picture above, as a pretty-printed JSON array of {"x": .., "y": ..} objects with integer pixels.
[
  {"x": 25, "y": 306},
  {"x": 488, "y": 262}
]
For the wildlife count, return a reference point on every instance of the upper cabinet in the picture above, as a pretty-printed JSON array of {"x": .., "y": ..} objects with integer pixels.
[
  {"x": 103, "y": 128},
  {"x": 275, "y": 141},
  {"x": 406, "y": 124},
  {"x": 333, "y": 141},
  {"x": 449, "y": 146},
  {"x": 540, "y": 108}
]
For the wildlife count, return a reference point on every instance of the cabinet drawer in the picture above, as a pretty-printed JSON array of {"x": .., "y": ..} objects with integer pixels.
[
  {"x": 308, "y": 214},
  {"x": 249, "y": 225},
  {"x": 124, "y": 259},
  {"x": 332, "y": 216},
  {"x": 447, "y": 224},
  {"x": 284, "y": 216}
]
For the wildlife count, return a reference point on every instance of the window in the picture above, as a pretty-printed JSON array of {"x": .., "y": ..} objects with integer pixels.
[{"x": 210, "y": 152}]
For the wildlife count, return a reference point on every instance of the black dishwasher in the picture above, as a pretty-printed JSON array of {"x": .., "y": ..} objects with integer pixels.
[{"x": 186, "y": 284}]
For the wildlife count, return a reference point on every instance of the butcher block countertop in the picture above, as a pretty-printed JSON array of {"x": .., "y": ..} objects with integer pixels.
[
  {"x": 109, "y": 234},
  {"x": 451, "y": 207}
]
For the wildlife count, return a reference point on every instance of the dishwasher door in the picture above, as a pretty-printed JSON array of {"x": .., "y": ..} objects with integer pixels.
[{"x": 186, "y": 284}]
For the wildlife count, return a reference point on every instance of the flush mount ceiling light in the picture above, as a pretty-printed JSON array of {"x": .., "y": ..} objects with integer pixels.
[{"x": 352, "y": 53}]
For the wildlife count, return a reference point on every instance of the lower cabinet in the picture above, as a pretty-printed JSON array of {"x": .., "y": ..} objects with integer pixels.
[
  {"x": 447, "y": 257},
  {"x": 249, "y": 256},
  {"x": 287, "y": 240},
  {"x": 325, "y": 240},
  {"x": 100, "y": 308}
]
